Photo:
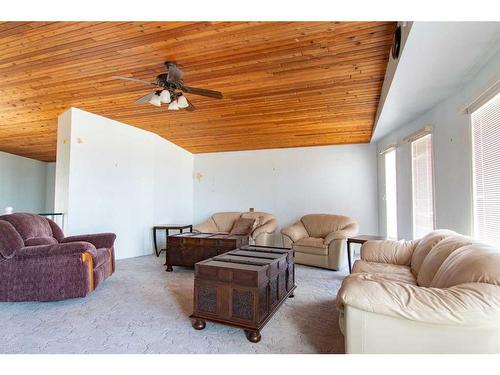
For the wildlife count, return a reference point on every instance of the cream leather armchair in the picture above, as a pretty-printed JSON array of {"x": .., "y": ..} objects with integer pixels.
[
  {"x": 320, "y": 239},
  {"x": 438, "y": 294},
  {"x": 222, "y": 222}
]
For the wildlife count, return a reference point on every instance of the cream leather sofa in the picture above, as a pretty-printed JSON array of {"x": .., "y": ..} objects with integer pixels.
[
  {"x": 439, "y": 294},
  {"x": 320, "y": 240},
  {"x": 222, "y": 222}
]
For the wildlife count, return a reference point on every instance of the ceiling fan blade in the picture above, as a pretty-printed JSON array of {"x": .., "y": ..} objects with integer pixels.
[
  {"x": 145, "y": 98},
  {"x": 174, "y": 73},
  {"x": 191, "y": 107},
  {"x": 134, "y": 80},
  {"x": 202, "y": 92}
]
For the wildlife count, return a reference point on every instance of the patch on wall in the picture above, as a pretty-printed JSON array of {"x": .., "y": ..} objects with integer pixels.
[{"x": 199, "y": 176}]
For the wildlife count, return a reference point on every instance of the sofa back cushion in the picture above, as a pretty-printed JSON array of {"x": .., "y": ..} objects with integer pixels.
[
  {"x": 425, "y": 245},
  {"x": 10, "y": 240},
  {"x": 436, "y": 257},
  {"x": 57, "y": 232},
  {"x": 243, "y": 226},
  {"x": 261, "y": 218},
  {"x": 29, "y": 225},
  {"x": 321, "y": 225},
  {"x": 253, "y": 216},
  {"x": 37, "y": 241},
  {"x": 476, "y": 263},
  {"x": 225, "y": 220}
]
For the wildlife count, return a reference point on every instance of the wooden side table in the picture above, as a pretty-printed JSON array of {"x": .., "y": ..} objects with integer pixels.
[
  {"x": 361, "y": 239},
  {"x": 167, "y": 228}
]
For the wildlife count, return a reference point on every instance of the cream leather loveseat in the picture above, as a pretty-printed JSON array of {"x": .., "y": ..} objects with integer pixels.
[
  {"x": 439, "y": 294},
  {"x": 320, "y": 239},
  {"x": 222, "y": 222}
]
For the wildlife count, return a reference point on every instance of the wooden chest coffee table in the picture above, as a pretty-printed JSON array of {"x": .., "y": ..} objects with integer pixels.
[
  {"x": 186, "y": 249},
  {"x": 243, "y": 288}
]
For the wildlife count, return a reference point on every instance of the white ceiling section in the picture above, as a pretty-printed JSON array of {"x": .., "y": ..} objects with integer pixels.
[{"x": 437, "y": 58}]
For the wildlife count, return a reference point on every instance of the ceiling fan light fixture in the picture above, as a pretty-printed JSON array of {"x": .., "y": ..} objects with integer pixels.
[
  {"x": 165, "y": 97},
  {"x": 155, "y": 100},
  {"x": 169, "y": 88},
  {"x": 182, "y": 102},
  {"x": 173, "y": 106}
]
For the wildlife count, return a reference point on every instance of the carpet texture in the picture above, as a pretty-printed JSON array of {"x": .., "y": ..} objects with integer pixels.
[{"x": 143, "y": 309}]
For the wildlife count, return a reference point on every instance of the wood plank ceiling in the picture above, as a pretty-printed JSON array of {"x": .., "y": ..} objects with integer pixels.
[{"x": 286, "y": 84}]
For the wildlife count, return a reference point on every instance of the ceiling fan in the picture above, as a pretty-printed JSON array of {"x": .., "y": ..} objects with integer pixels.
[{"x": 171, "y": 89}]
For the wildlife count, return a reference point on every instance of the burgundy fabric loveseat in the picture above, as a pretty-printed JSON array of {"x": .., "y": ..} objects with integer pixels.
[{"x": 37, "y": 263}]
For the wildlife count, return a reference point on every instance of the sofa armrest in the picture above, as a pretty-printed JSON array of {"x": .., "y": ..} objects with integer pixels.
[
  {"x": 295, "y": 232},
  {"x": 99, "y": 240},
  {"x": 346, "y": 232},
  {"x": 387, "y": 251},
  {"x": 72, "y": 248},
  {"x": 463, "y": 304},
  {"x": 268, "y": 227},
  {"x": 208, "y": 226}
]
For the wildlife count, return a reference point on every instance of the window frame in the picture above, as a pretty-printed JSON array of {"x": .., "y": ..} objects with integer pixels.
[
  {"x": 413, "y": 139},
  {"x": 484, "y": 99},
  {"x": 471, "y": 171}
]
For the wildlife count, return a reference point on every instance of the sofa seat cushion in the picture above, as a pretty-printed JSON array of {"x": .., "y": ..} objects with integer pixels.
[
  {"x": 475, "y": 304},
  {"x": 311, "y": 245},
  {"x": 385, "y": 271}
]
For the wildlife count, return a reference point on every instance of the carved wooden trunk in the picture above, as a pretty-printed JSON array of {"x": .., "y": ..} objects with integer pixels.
[
  {"x": 243, "y": 287},
  {"x": 186, "y": 249}
]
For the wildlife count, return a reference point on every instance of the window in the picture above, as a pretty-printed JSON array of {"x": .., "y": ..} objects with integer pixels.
[
  {"x": 486, "y": 171},
  {"x": 391, "y": 207},
  {"x": 422, "y": 185}
]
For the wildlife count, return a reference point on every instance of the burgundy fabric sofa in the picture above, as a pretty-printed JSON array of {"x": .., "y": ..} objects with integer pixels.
[{"x": 37, "y": 263}]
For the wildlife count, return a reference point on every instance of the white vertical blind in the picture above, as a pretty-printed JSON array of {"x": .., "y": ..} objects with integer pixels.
[
  {"x": 391, "y": 208},
  {"x": 422, "y": 186},
  {"x": 486, "y": 171}
]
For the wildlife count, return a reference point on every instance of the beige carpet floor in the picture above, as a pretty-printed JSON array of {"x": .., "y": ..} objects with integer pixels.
[{"x": 143, "y": 309}]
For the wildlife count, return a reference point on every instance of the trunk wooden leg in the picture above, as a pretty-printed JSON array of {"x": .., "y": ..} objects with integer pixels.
[
  {"x": 253, "y": 336},
  {"x": 169, "y": 268},
  {"x": 198, "y": 324}
]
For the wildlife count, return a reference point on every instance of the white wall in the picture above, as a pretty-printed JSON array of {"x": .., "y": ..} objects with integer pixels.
[
  {"x": 61, "y": 185},
  {"x": 290, "y": 183},
  {"x": 112, "y": 177},
  {"x": 50, "y": 181},
  {"x": 22, "y": 183},
  {"x": 452, "y": 158}
]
